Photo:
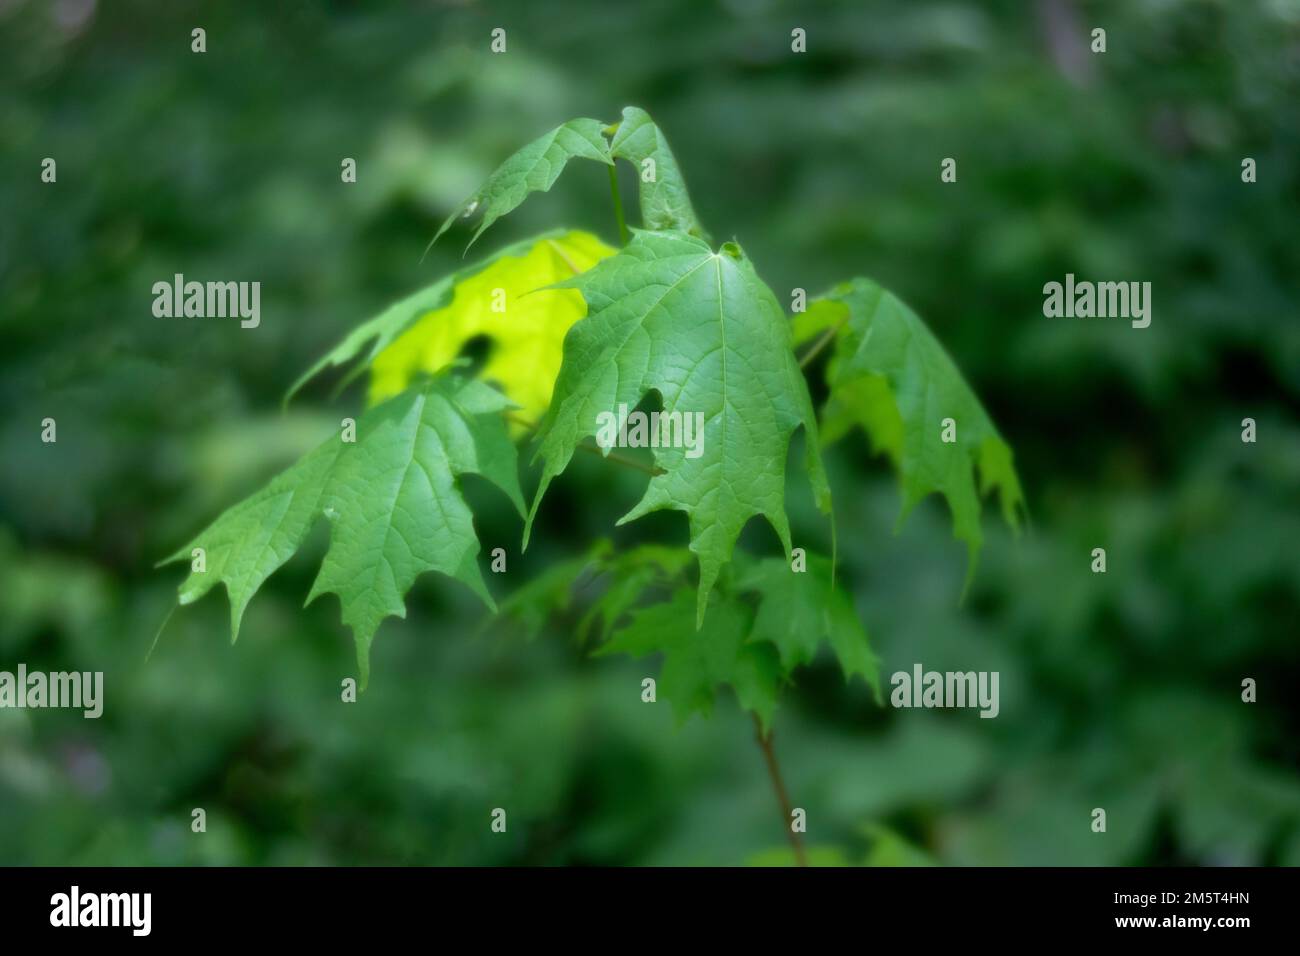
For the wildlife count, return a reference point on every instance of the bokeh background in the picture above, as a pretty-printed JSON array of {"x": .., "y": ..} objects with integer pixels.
[{"x": 1119, "y": 691}]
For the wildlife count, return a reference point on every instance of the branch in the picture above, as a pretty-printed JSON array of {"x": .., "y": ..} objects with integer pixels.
[{"x": 782, "y": 797}]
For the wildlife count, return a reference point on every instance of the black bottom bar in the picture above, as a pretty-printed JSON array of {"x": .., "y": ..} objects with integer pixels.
[{"x": 341, "y": 905}]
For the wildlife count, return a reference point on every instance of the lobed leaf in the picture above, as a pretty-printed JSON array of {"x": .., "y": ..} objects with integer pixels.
[
  {"x": 669, "y": 315},
  {"x": 665, "y": 204},
  {"x": 393, "y": 500},
  {"x": 763, "y": 622},
  {"x": 798, "y": 611},
  {"x": 512, "y": 269},
  {"x": 696, "y": 665},
  {"x": 534, "y": 168},
  {"x": 631, "y": 574},
  {"x": 526, "y": 334},
  {"x": 253, "y": 538},
  {"x": 532, "y": 604},
  {"x": 890, "y": 376}
]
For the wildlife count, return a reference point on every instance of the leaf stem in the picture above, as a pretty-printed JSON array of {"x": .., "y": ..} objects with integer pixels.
[
  {"x": 623, "y": 460},
  {"x": 820, "y": 344},
  {"x": 618, "y": 205},
  {"x": 778, "y": 785},
  {"x": 528, "y": 423},
  {"x": 615, "y": 457}
]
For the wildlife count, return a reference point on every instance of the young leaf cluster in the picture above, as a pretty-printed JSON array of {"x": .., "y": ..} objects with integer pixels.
[
  {"x": 577, "y": 328},
  {"x": 762, "y": 624}
]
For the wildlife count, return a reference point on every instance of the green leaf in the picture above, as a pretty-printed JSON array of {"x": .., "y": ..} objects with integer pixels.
[
  {"x": 622, "y": 579},
  {"x": 630, "y": 575},
  {"x": 665, "y": 204},
  {"x": 392, "y": 497},
  {"x": 891, "y": 377},
  {"x": 551, "y": 592},
  {"x": 767, "y": 620},
  {"x": 253, "y": 538},
  {"x": 396, "y": 506},
  {"x": 669, "y": 315},
  {"x": 695, "y": 663},
  {"x": 799, "y": 610},
  {"x": 534, "y": 168},
  {"x": 519, "y": 268}
]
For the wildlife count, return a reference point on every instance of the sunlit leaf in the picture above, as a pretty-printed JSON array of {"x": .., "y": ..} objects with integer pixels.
[
  {"x": 371, "y": 338},
  {"x": 507, "y": 302}
]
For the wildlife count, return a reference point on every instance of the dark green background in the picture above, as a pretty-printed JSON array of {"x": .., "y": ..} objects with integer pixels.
[{"x": 1118, "y": 691}]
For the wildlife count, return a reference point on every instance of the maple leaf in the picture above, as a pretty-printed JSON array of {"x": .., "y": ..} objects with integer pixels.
[
  {"x": 695, "y": 665},
  {"x": 392, "y": 498},
  {"x": 764, "y": 621},
  {"x": 797, "y": 611},
  {"x": 458, "y": 301},
  {"x": 629, "y": 575},
  {"x": 890, "y": 376},
  {"x": 669, "y": 315},
  {"x": 534, "y": 168},
  {"x": 508, "y": 302},
  {"x": 665, "y": 203},
  {"x": 533, "y": 603}
]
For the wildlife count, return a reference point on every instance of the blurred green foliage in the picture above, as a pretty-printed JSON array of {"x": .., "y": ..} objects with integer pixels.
[{"x": 1119, "y": 691}]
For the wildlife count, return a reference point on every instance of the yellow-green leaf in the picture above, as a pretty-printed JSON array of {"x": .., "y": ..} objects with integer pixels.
[
  {"x": 361, "y": 345},
  {"x": 510, "y": 303}
]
